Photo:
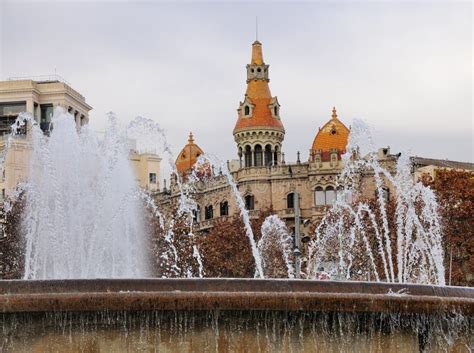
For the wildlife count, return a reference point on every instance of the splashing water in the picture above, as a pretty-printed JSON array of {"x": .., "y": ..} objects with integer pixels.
[
  {"x": 359, "y": 240},
  {"x": 206, "y": 161},
  {"x": 84, "y": 213},
  {"x": 275, "y": 234},
  {"x": 153, "y": 137}
]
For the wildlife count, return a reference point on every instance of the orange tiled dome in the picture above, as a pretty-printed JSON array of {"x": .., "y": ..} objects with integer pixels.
[
  {"x": 188, "y": 156},
  {"x": 258, "y": 96},
  {"x": 333, "y": 135}
]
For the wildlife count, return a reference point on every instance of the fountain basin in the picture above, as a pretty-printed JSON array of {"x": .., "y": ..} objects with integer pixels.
[
  {"x": 233, "y": 315},
  {"x": 231, "y": 294}
]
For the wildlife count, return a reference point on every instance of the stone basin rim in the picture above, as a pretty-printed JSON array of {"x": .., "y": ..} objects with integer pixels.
[{"x": 230, "y": 294}]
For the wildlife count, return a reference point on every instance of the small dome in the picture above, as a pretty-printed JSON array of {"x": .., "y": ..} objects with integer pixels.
[
  {"x": 333, "y": 135},
  {"x": 188, "y": 156}
]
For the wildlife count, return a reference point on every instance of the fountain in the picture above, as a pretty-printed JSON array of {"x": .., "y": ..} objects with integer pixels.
[
  {"x": 83, "y": 215},
  {"x": 353, "y": 225},
  {"x": 85, "y": 223}
]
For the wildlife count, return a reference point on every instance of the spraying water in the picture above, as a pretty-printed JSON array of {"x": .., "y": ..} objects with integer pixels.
[
  {"x": 275, "y": 234},
  {"x": 365, "y": 241},
  {"x": 208, "y": 161},
  {"x": 83, "y": 210}
]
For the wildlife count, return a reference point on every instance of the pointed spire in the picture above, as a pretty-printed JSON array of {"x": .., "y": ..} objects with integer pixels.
[
  {"x": 334, "y": 115},
  {"x": 191, "y": 138},
  {"x": 256, "y": 28},
  {"x": 257, "y": 55}
]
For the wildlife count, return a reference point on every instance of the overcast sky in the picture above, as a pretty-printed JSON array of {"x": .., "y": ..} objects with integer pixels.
[{"x": 404, "y": 67}]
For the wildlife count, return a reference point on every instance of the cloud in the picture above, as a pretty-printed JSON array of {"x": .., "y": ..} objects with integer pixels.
[{"x": 405, "y": 67}]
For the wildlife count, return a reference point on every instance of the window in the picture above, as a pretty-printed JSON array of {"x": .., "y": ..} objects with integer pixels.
[
  {"x": 249, "y": 202},
  {"x": 152, "y": 178},
  {"x": 268, "y": 155},
  {"x": 247, "y": 110},
  {"x": 275, "y": 156},
  {"x": 339, "y": 193},
  {"x": 197, "y": 214},
  {"x": 320, "y": 196},
  {"x": 248, "y": 156},
  {"x": 290, "y": 200},
  {"x": 224, "y": 208},
  {"x": 330, "y": 195},
  {"x": 46, "y": 115},
  {"x": 344, "y": 194},
  {"x": 16, "y": 108},
  {"x": 385, "y": 194},
  {"x": 258, "y": 156},
  {"x": 275, "y": 111},
  {"x": 208, "y": 212}
]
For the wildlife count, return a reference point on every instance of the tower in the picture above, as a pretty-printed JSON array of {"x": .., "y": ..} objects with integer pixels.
[{"x": 258, "y": 132}]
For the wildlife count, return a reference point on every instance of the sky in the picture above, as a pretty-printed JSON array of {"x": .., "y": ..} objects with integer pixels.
[{"x": 404, "y": 67}]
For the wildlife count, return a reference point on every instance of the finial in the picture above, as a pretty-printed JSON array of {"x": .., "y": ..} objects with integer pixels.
[
  {"x": 191, "y": 139},
  {"x": 334, "y": 115}
]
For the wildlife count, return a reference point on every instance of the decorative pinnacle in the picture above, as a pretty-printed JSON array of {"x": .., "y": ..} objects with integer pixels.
[
  {"x": 334, "y": 115},
  {"x": 257, "y": 55},
  {"x": 191, "y": 138}
]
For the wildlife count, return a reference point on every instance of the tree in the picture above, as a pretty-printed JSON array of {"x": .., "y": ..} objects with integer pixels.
[
  {"x": 455, "y": 194},
  {"x": 12, "y": 246},
  {"x": 226, "y": 249}
]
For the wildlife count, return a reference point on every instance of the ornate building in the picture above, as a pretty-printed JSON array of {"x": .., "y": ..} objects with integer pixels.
[
  {"x": 263, "y": 177},
  {"x": 265, "y": 180}
]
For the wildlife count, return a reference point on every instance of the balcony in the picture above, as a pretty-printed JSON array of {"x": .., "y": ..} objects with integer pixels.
[
  {"x": 206, "y": 224},
  {"x": 288, "y": 213},
  {"x": 254, "y": 214}
]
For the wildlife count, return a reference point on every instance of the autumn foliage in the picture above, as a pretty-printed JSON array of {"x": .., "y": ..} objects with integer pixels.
[
  {"x": 455, "y": 194},
  {"x": 12, "y": 246}
]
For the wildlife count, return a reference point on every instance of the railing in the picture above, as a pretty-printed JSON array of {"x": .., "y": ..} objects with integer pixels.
[
  {"x": 40, "y": 78},
  {"x": 254, "y": 214},
  {"x": 288, "y": 213}
]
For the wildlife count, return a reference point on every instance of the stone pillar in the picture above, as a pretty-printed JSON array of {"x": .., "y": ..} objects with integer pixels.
[
  {"x": 77, "y": 118},
  {"x": 37, "y": 113},
  {"x": 252, "y": 159},
  {"x": 30, "y": 107}
]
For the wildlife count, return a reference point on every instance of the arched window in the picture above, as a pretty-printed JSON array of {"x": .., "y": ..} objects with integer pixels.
[
  {"x": 290, "y": 200},
  {"x": 330, "y": 195},
  {"x": 320, "y": 196},
  {"x": 208, "y": 212},
  {"x": 197, "y": 215},
  {"x": 248, "y": 156},
  {"x": 344, "y": 194},
  {"x": 268, "y": 155},
  {"x": 339, "y": 193},
  {"x": 349, "y": 197},
  {"x": 258, "y": 156},
  {"x": 249, "y": 202},
  {"x": 275, "y": 156},
  {"x": 247, "y": 110},
  {"x": 224, "y": 208},
  {"x": 275, "y": 110}
]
